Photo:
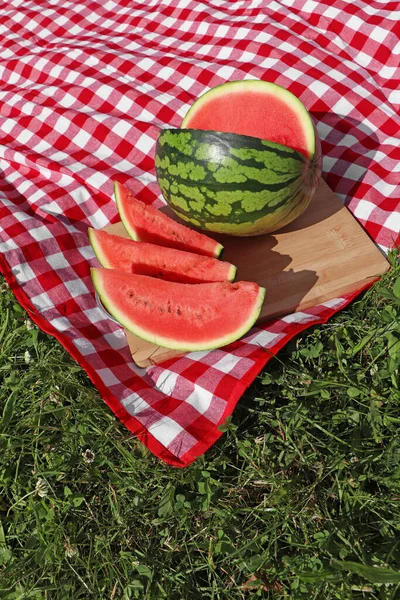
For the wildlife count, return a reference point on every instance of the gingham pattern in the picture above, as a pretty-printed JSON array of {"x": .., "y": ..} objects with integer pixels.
[{"x": 85, "y": 88}]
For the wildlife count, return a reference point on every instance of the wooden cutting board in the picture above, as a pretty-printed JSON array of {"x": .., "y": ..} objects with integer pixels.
[{"x": 322, "y": 255}]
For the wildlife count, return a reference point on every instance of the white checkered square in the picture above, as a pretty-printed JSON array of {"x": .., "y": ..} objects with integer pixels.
[
  {"x": 108, "y": 377},
  {"x": 335, "y": 303},
  {"x": 62, "y": 124},
  {"x": 97, "y": 180},
  {"x": 40, "y": 234},
  {"x": 354, "y": 22},
  {"x": 99, "y": 219},
  {"x": 378, "y": 34},
  {"x": 64, "y": 324},
  {"x": 76, "y": 288},
  {"x": 264, "y": 339},
  {"x": 165, "y": 430},
  {"x": 364, "y": 209},
  {"x": 200, "y": 399},
  {"x": 309, "y": 6},
  {"x": 24, "y": 274},
  {"x": 364, "y": 59},
  {"x": 393, "y": 222},
  {"x": 145, "y": 143},
  {"x": 8, "y": 245},
  {"x": 134, "y": 404},
  {"x": 298, "y": 317},
  {"x": 82, "y": 139},
  {"x": 227, "y": 363},
  {"x": 124, "y": 104},
  {"x": 225, "y": 52},
  {"x": 85, "y": 347},
  {"x": 58, "y": 261},
  {"x": 293, "y": 73},
  {"x": 8, "y": 125},
  {"x": 166, "y": 382},
  {"x": 319, "y": 88},
  {"x": 95, "y": 315},
  {"x": 122, "y": 128}
]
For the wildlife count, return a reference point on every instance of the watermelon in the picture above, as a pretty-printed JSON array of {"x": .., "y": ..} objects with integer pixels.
[
  {"x": 144, "y": 258},
  {"x": 247, "y": 160},
  {"x": 148, "y": 224},
  {"x": 181, "y": 316}
]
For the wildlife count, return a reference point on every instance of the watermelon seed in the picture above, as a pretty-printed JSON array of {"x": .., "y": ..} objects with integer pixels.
[{"x": 178, "y": 311}]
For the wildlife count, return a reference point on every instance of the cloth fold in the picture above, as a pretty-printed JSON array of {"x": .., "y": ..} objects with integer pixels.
[{"x": 85, "y": 90}]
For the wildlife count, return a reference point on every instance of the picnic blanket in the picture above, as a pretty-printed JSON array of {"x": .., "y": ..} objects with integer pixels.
[{"x": 85, "y": 88}]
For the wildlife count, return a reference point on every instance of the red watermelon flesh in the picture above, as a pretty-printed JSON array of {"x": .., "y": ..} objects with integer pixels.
[
  {"x": 257, "y": 108},
  {"x": 143, "y": 258},
  {"x": 148, "y": 224},
  {"x": 181, "y": 316}
]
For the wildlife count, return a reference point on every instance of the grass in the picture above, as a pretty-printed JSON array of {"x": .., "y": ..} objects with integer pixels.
[{"x": 299, "y": 499}]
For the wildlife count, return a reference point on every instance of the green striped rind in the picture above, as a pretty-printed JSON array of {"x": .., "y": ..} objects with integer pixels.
[{"x": 231, "y": 183}]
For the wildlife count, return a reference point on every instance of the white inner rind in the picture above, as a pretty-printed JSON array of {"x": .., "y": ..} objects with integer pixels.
[
  {"x": 97, "y": 248},
  {"x": 125, "y": 222},
  {"x": 259, "y": 86},
  {"x": 232, "y": 272},
  {"x": 175, "y": 344},
  {"x": 218, "y": 250}
]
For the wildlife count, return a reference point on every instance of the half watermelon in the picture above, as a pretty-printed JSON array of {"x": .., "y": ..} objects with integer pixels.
[
  {"x": 186, "y": 317},
  {"x": 246, "y": 160},
  {"x": 147, "y": 224},
  {"x": 143, "y": 258}
]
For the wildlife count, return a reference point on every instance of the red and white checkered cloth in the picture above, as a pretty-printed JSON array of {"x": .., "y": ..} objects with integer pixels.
[{"x": 85, "y": 87}]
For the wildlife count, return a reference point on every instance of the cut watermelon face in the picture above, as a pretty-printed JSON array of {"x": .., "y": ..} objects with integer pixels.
[
  {"x": 148, "y": 224},
  {"x": 143, "y": 258},
  {"x": 255, "y": 108},
  {"x": 186, "y": 317}
]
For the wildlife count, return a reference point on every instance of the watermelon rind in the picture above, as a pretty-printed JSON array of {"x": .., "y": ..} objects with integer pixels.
[
  {"x": 174, "y": 344},
  {"x": 97, "y": 248},
  {"x": 131, "y": 231},
  {"x": 234, "y": 184},
  {"x": 257, "y": 85}
]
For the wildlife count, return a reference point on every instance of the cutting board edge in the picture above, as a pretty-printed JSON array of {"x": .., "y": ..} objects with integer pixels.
[{"x": 164, "y": 354}]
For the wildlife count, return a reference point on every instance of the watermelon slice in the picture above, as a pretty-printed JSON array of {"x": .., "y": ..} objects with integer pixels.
[
  {"x": 256, "y": 108},
  {"x": 147, "y": 224},
  {"x": 143, "y": 258},
  {"x": 180, "y": 316}
]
